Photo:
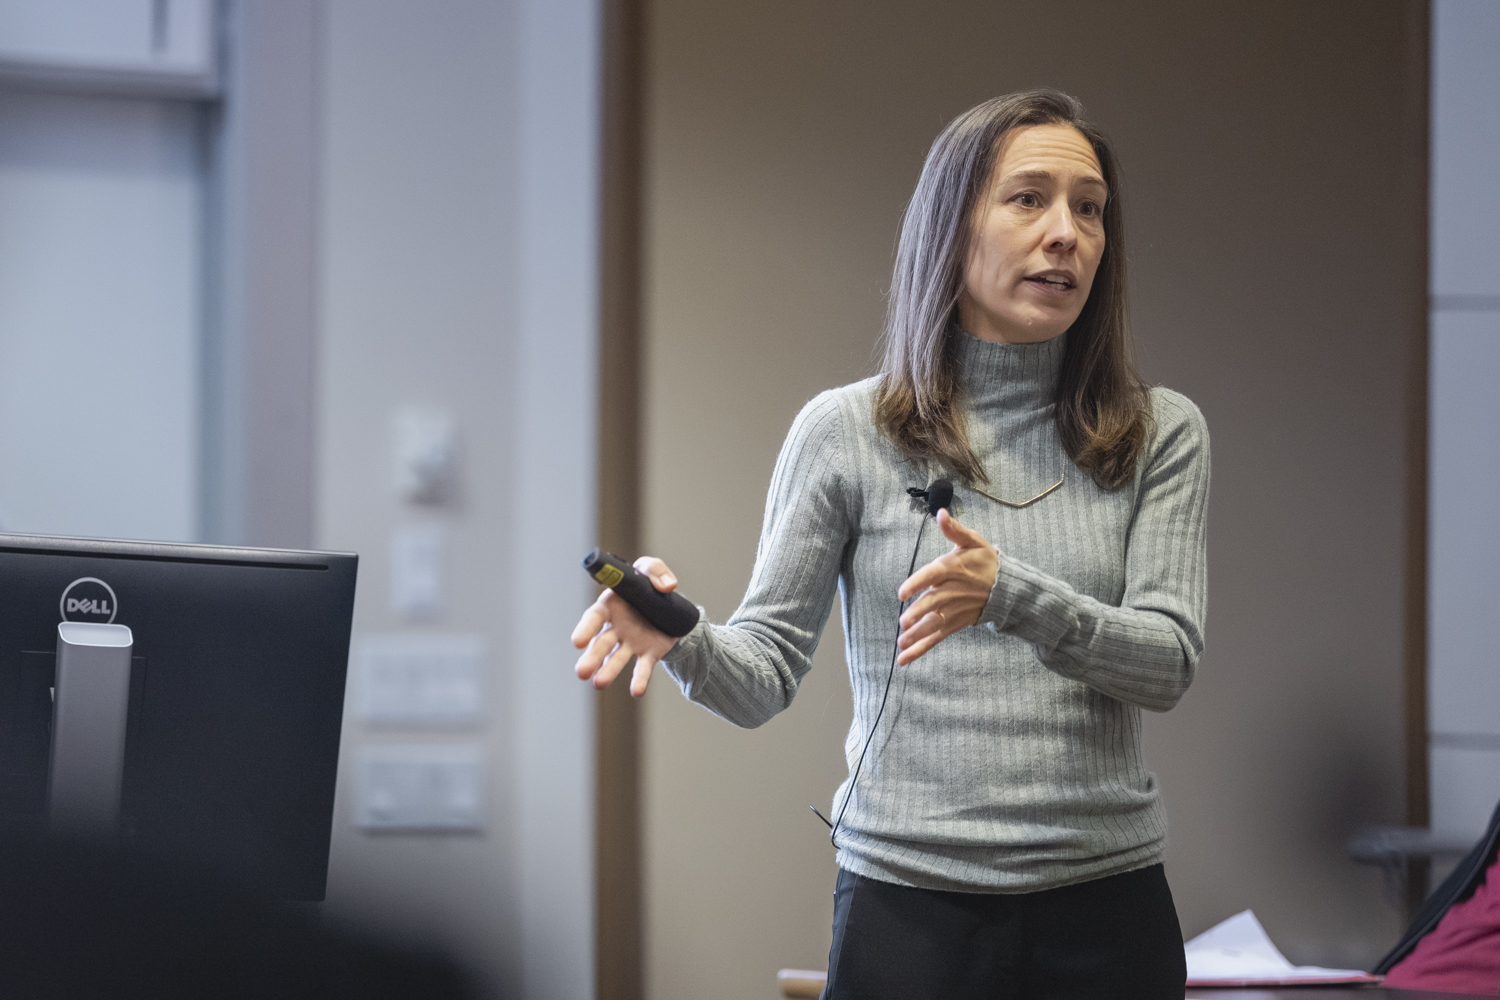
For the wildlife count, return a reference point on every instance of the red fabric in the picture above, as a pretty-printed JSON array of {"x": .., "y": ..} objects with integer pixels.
[{"x": 1462, "y": 953}]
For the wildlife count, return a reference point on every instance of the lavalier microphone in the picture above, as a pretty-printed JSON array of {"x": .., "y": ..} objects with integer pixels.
[
  {"x": 938, "y": 494},
  {"x": 665, "y": 611}
]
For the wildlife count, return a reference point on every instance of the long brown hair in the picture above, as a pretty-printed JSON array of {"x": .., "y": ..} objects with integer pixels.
[{"x": 1103, "y": 406}]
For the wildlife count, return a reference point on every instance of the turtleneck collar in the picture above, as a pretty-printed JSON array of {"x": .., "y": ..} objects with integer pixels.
[{"x": 1008, "y": 376}]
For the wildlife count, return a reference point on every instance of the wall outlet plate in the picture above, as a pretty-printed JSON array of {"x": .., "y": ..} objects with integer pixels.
[
  {"x": 420, "y": 787},
  {"x": 421, "y": 679}
]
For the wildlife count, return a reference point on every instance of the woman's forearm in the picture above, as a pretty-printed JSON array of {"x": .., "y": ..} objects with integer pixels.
[
  {"x": 748, "y": 669},
  {"x": 1143, "y": 652}
]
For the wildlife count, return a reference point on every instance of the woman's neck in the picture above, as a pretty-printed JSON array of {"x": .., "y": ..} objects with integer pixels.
[{"x": 1007, "y": 375}]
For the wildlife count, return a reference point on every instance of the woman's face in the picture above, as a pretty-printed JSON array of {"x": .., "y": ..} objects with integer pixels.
[{"x": 1038, "y": 238}]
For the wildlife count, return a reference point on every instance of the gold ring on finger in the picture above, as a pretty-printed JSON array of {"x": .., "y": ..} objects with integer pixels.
[{"x": 943, "y": 617}]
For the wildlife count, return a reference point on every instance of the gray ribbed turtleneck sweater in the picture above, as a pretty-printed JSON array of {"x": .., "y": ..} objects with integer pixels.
[{"x": 1009, "y": 757}]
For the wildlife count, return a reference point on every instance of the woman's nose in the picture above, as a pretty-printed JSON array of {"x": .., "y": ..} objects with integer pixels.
[{"x": 1062, "y": 235}]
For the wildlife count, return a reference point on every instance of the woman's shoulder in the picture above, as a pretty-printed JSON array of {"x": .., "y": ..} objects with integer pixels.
[
  {"x": 1175, "y": 414},
  {"x": 834, "y": 435},
  {"x": 825, "y": 442},
  {"x": 850, "y": 406},
  {"x": 1179, "y": 433}
]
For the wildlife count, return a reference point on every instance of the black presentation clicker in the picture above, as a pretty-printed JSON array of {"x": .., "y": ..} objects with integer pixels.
[{"x": 667, "y": 612}]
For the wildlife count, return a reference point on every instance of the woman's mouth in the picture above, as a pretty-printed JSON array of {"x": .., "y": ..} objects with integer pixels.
[{"x": 1055, "y": 282}]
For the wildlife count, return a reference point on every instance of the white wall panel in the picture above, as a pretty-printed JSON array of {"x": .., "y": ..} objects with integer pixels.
[
  {"x": 1465, "y": 148},
  {"x": 1465, "y": 788},
  {"x": 458, "y": 254},
  {"x": 259, "y": 369},
  {"x": 1463, "y": 669},
  {"x": 100, "y": 305},
  {"x": 554, "y": 521},
  {"x": 1464, "y": 543},
  {"x": 415, "y": 297}
]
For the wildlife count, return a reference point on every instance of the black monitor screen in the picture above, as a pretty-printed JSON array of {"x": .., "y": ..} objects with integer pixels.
[{"x": 236, "y": 700}]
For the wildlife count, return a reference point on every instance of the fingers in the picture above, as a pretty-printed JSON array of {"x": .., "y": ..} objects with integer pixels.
[
  {"x": 930, "y": 617},
  {"x": 610, "y": 634},
  {"x": 606, "y": 657},
  {"x": 613, "y": 664},
  {"x": 657, "y": 572},
  {"x": 928, "y": 603},
  {"x": 592, "y": 621},
  {"x": 924, "y": 639},
  {"x": 969, "y": 550},
  {"x": 599, "y": 646},
  {"x": 957, "y": 533},
  {"x": 949, "y": 593},
  {"x": 641, "y": 676},
  {"x": 921, "y": 628},
  {"x": 931, "y": 575},
  {"x": 919, "y": 581}
]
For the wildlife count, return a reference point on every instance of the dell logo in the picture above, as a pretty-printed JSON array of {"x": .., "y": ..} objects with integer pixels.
[{"x": 88, "y": 599}]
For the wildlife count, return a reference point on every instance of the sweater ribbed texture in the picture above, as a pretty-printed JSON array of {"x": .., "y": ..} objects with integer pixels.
[{"x": 1009, "y": 757}]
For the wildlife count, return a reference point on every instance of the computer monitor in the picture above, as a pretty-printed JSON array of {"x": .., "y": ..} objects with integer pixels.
[{"x": 235, "y": 704}]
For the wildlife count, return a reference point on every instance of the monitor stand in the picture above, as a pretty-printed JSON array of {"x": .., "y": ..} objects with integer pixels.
[{"x": 90, "y": 711}]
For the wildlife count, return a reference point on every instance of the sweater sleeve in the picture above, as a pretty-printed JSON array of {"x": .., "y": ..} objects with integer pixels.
[
  {"x": 1144, "y": 651},
  {"x": 748, "y": 669}
]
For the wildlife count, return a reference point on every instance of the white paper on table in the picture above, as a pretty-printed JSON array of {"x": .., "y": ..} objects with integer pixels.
[{"x": 1239, "y": 950}]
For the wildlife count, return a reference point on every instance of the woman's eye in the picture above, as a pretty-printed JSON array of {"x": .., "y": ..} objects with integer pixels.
[
  {"x": 1089, "y": 209},
  {"x": 1026, "y": 200}
]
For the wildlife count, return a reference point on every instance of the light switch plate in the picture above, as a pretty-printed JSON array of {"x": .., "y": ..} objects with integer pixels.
[
  {"x": 428, "y": 787},
  {"x": 418, "y": 566},
  {"x": 421, "y": 679}
]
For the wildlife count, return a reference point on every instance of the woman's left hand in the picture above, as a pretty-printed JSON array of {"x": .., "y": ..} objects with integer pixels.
[{"x": 952, "y": 590}]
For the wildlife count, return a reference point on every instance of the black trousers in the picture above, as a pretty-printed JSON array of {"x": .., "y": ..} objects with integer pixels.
[{"x": 1114, "y": 937}]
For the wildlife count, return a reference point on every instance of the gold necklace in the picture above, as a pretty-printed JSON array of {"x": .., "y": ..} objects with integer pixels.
[{"x": 1014, "y": 503}]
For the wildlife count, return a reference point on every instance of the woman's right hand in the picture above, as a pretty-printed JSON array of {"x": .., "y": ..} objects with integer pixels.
[{"x": 611, "y": 632}]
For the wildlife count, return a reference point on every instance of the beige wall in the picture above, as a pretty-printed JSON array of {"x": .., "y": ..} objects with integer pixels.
[{"x": 1274, "y": 192}]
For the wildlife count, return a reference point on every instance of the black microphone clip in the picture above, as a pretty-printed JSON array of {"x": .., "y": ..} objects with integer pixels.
[{"x": 938, "y": 494}]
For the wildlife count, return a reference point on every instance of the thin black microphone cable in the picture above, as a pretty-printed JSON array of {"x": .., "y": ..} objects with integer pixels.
[{"x": 939, "y": 494}]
